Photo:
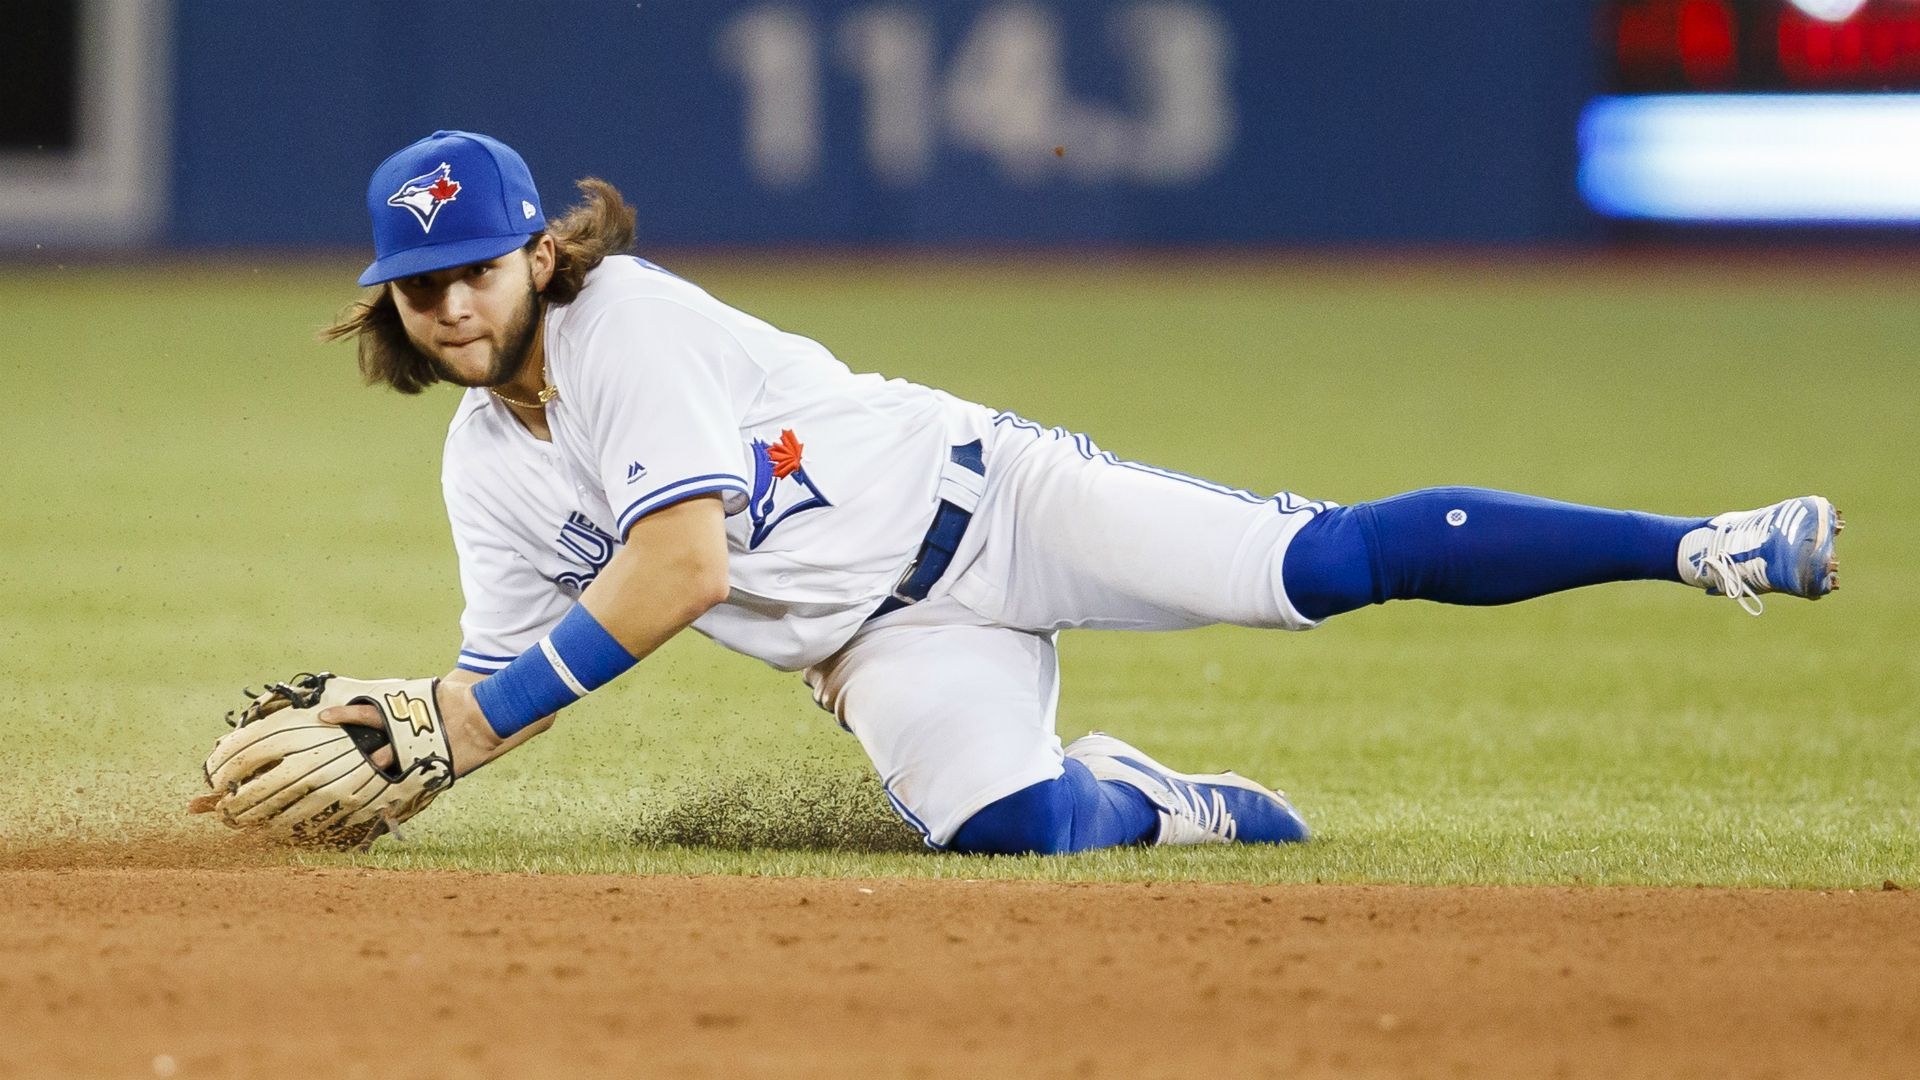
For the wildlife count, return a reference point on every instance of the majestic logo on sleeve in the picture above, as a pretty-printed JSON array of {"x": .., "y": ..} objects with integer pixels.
[
  {"x": 583, "y": 540},
  {"x": 781, "y": 487},
  {"x": 425, "y": 194}
]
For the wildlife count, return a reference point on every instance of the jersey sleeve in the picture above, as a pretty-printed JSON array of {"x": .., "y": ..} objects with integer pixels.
[
  {"x": 509, "y": 605},
  {"x": 660, "y": 382}
]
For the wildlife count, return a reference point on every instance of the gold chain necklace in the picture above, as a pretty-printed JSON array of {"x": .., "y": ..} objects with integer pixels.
[{"x": 547, "y": 393}]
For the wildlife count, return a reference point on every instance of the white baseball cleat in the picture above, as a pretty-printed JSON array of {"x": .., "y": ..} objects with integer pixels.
[
  {"x": 1206, "y": 808},
  {"x": 1785, "y": 548}
]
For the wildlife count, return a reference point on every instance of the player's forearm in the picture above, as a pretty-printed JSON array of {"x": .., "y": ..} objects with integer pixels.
[{"x": 670, "y": 572}]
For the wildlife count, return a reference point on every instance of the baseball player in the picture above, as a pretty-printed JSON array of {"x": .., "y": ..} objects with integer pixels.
[{"x": 633, "y": 457}]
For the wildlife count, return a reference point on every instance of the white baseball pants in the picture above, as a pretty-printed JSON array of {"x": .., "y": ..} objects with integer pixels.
[{"x": 953, "y": 698}]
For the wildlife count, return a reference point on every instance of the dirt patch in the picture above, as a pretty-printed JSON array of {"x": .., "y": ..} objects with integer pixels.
[{"x": 357, "y": 973}]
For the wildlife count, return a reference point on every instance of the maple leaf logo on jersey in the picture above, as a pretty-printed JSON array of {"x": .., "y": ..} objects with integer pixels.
[
  {"x": 425, "y": 194},
  {"x": 784, "y": 455},
  {"x": 781, "y": 486}
]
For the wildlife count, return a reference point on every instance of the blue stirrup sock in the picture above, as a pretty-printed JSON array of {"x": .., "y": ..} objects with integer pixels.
[
  {"x": 1462, "y": 545},
  {"x": 576, "y": 658},
  {"x": 1072, "y": 812}
]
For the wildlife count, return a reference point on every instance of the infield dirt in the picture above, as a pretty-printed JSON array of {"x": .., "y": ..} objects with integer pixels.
[{"x": 261, "y": 972}]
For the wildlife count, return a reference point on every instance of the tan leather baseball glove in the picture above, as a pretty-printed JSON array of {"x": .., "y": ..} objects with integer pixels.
[{"x": 283, "y": 772}]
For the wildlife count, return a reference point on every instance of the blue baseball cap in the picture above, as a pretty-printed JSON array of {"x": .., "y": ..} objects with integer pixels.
[{"x": 450, "y": 199}]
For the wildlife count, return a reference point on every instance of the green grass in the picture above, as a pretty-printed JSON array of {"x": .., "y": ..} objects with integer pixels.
[{"x": 197, "y": 496}]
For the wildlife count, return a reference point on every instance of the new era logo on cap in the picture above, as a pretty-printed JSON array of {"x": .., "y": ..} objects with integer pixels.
[{"x": 425, "y": 194}]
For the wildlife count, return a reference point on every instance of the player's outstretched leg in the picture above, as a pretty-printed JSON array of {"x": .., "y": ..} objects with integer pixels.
[{"x": 1474, "y": 546}]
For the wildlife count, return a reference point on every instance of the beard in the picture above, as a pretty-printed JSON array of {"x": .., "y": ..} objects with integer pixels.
[{"x": 516, "y": 345}]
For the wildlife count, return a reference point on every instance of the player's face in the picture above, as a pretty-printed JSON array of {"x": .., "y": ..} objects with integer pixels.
[{"x": 474, "y": 323}]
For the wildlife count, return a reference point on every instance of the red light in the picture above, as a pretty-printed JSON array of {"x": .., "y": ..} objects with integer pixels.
[
  {"x": 1850, "y": 48},
  {"x": 1819, "y": 49},
  {"x": 1706, "y": 42},
  {"x": 1669, "y": 45},
  {"x": 1874, "y": 45},
  {"x": 1793, "y": 47},
  {"x": 1881, "y": 41}
]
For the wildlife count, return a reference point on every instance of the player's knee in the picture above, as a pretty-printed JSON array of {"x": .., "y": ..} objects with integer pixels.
[
  {"x": 1329, "y": 566},
  {"x": 1072, "y": 812},
  {"x": 1036, "y": 820}
]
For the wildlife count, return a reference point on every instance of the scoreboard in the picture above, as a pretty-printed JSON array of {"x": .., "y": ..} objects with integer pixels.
[{"x": 1756, "y": 112}]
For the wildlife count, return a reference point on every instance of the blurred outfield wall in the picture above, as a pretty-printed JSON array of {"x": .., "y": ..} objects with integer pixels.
[{"x": 830, "y": 121}]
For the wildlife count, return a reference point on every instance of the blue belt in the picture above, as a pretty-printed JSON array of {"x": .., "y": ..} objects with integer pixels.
[{"x": 943, "y": 539}]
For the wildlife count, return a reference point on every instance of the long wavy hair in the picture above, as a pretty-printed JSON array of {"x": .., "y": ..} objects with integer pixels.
[{"x": 601, "y": 224}]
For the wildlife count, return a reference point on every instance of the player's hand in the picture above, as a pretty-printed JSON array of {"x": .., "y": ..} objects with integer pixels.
[{"x": 470, "y": 739}]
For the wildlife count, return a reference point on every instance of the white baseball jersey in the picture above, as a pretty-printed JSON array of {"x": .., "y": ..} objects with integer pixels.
[{"x": 829, "y": 478}]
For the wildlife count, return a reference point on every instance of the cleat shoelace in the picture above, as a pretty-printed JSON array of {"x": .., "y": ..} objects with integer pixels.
[
  {"x": 1725, "y": 574},
  {"x": 1744, "y": 579},
  {"x": 1207, "y": 808}
]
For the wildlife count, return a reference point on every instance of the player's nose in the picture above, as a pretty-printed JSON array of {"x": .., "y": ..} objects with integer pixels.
[{"x": 456, "y": 303}]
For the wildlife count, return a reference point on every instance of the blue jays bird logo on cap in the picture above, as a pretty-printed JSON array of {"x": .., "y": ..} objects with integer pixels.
[{"x": 425, "y": 194}]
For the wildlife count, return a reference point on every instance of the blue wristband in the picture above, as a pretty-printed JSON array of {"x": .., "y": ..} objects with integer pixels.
[{"x": 577, "y": 658}]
